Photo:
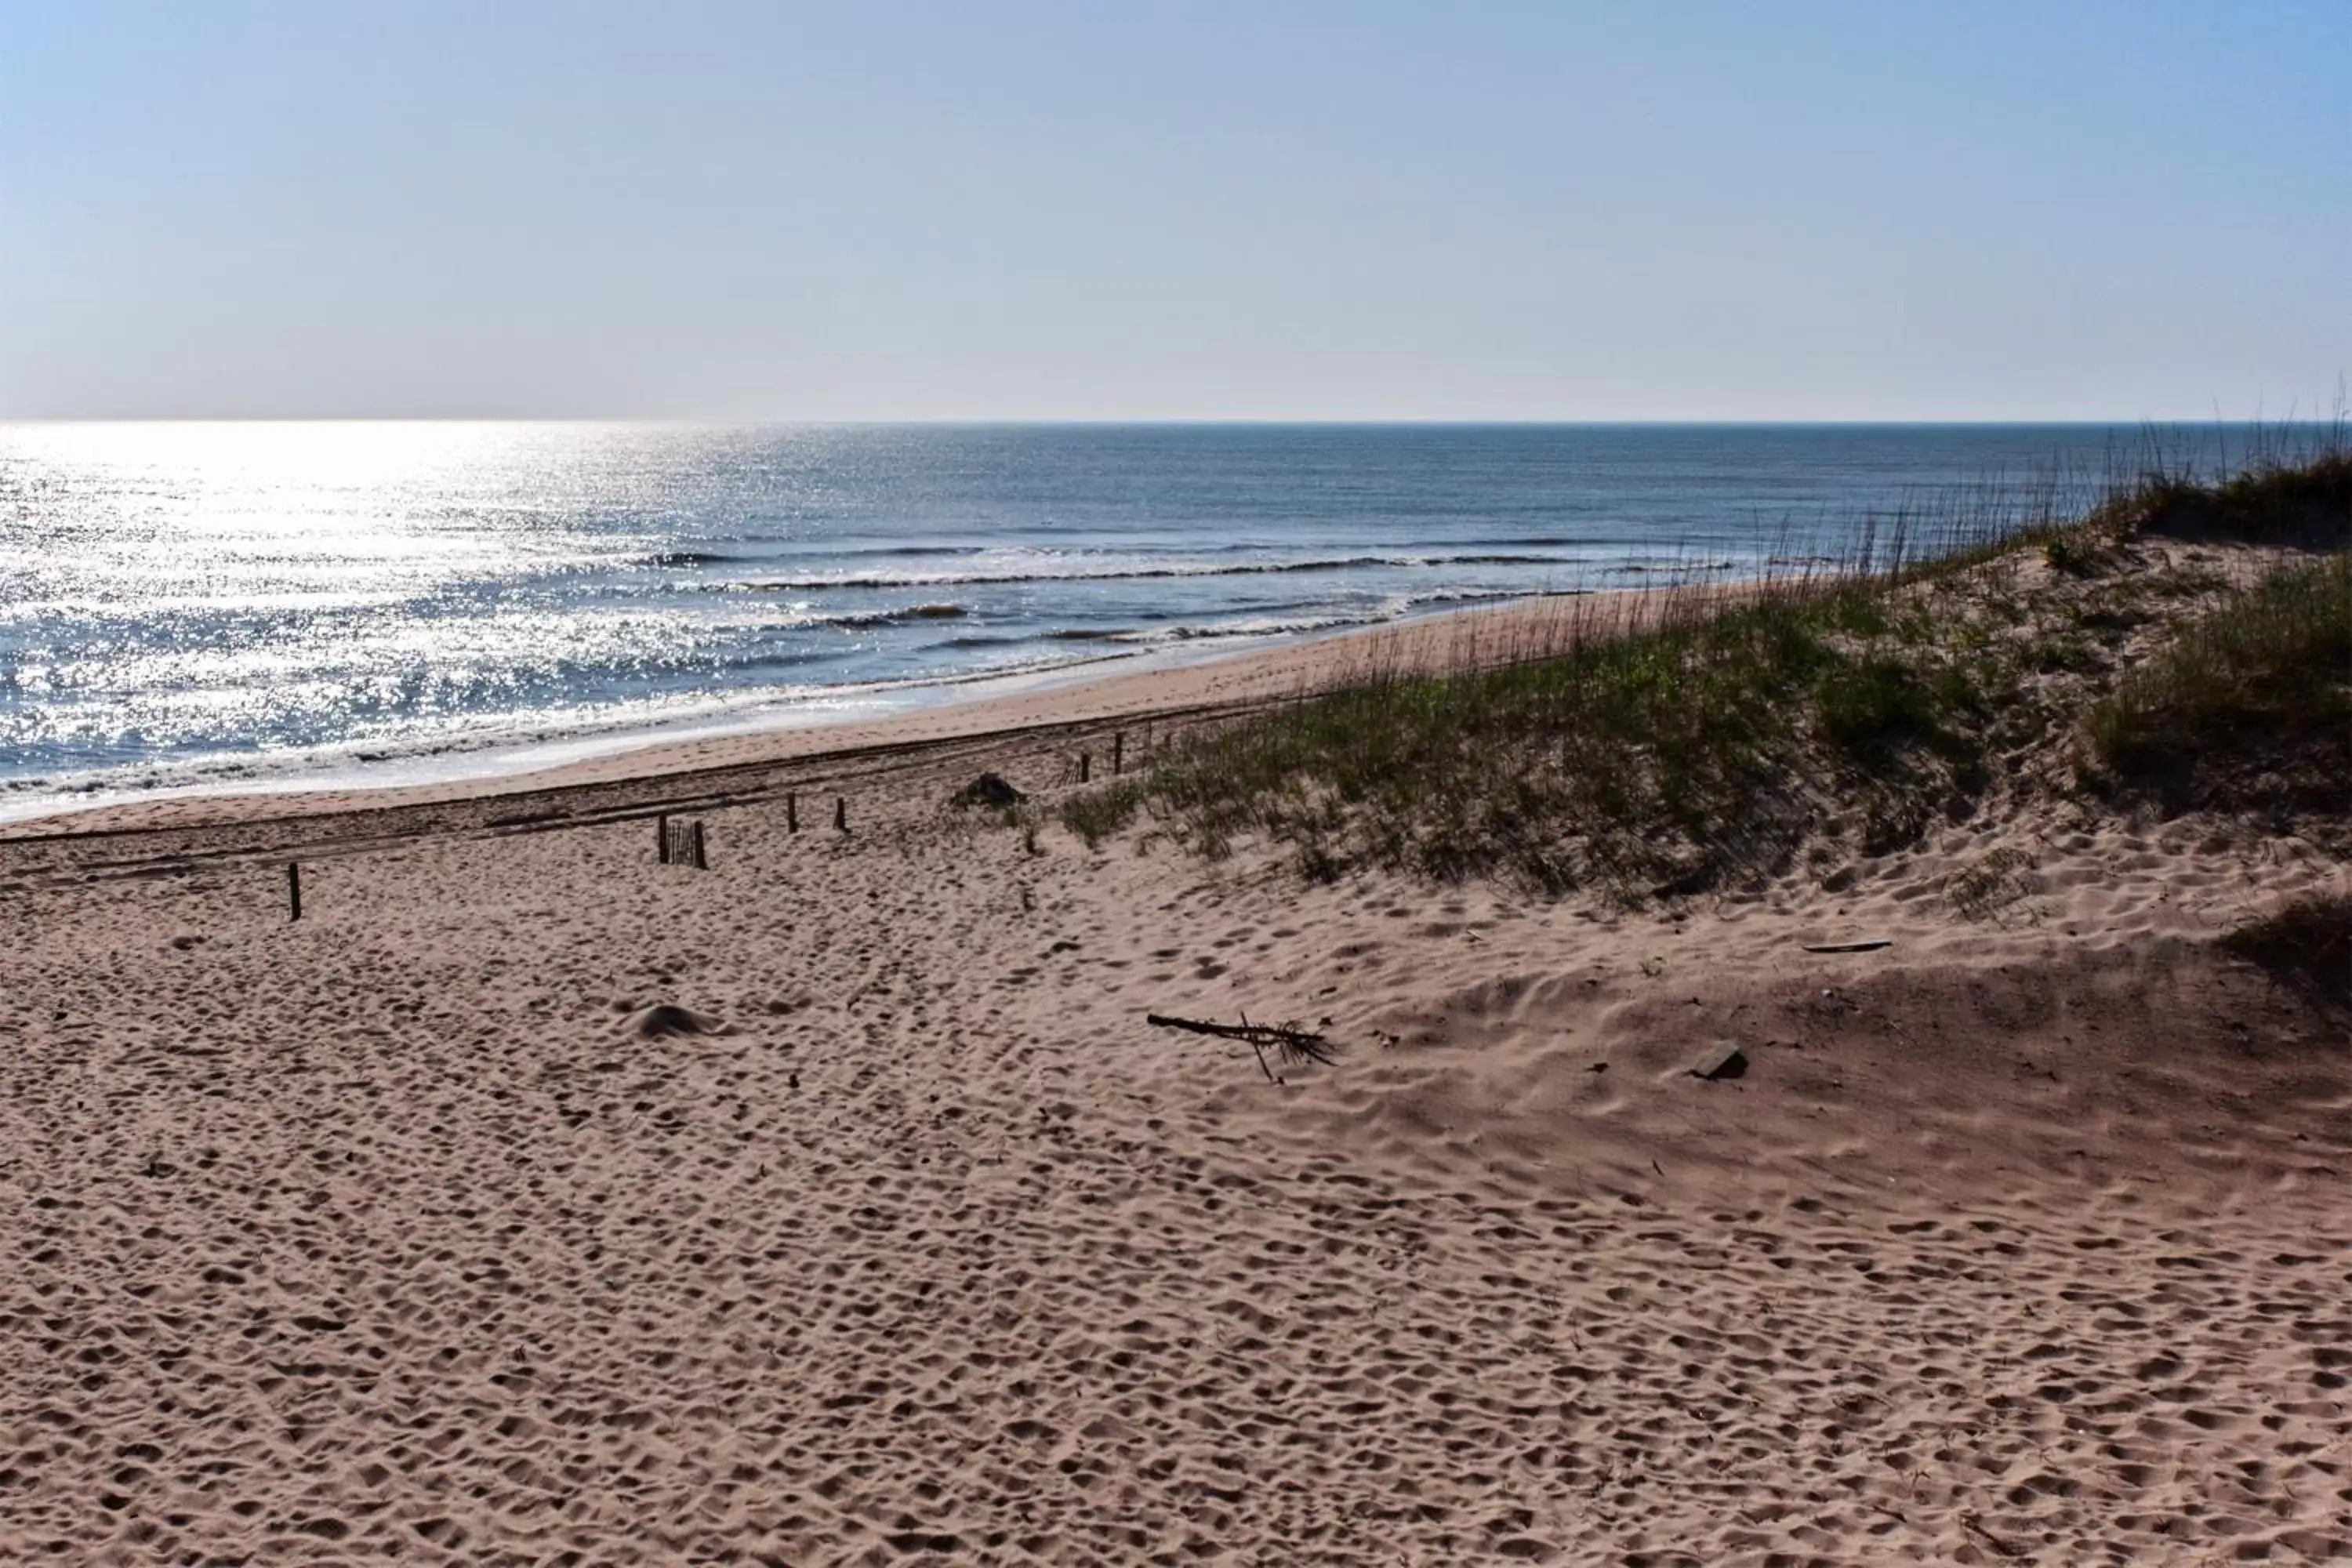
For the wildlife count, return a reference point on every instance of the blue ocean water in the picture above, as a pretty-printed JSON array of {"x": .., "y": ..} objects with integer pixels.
[{"x": 222, "y": 604}]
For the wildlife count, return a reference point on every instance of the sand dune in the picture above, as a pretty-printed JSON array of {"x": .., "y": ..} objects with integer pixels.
[{"x": 528, "y": 1201}]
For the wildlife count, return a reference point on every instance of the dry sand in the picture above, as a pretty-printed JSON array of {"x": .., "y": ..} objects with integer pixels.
[{"x": 412, "y": 1230}]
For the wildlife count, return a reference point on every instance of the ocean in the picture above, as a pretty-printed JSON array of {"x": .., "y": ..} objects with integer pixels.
[{"x": 188, "y": 606}]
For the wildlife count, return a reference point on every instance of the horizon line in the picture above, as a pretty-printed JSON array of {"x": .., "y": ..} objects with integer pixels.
[{"x": 2291, "y": 418}]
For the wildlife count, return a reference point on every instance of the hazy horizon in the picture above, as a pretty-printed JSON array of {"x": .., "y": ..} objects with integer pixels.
[
  {"x": 2290, "y": 421},
  {"x": 1214, "y": 215}
]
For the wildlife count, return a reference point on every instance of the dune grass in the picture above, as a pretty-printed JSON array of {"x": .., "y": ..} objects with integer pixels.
[
  {"x": 1700, "y": 736},
  {"x": 2306, "y": 503},
  {"x": 2306, "y": 944},
  {"x": 1657, "y": 747},
  {"x": 2248, "y": 707}
]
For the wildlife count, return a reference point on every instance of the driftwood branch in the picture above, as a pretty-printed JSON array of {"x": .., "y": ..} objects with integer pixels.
[{"x": 1293, "y": 1046}]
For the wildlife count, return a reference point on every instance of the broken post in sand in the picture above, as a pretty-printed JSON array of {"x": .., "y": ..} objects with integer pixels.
[
  {"x": 293, "y": 890},
  {"x": 841, "y": 814},
  {"x": 791, "y": 814},
  {"x": 681, "y": 842},
  {"x": 1117, "y": 752},
  {"x": 1086, "y": 765},
  {"x": 661, "y": 838}
]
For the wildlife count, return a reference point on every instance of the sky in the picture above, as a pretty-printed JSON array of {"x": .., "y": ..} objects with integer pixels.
[{"x": 1134, "y": 210}]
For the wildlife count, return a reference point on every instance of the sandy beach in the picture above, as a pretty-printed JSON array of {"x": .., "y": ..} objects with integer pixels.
[
  {"x": 1174, "y": 786},
  {"x": 528, "y": 1201}
]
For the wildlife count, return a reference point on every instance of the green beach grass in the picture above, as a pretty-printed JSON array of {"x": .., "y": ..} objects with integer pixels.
[{"x": 1695, "y": 740}]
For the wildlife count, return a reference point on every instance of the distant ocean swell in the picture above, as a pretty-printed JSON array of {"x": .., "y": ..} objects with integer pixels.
[
  {"x": 1257, "y": 626},
  {"x": 1083, "y": 573},
  {"x": 1422, "y": 553}
]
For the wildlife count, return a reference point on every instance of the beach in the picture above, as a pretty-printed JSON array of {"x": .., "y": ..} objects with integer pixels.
[
  {"x": 1043, "y": 786},
  {"x": 528, "y": 1200}
]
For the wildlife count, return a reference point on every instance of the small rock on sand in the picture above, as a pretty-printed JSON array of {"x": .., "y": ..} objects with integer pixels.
[
  {"x": 666, "y": 1018},
  {"x": 991, "y": 790},
  {"x": 1726, "y": 1060}
]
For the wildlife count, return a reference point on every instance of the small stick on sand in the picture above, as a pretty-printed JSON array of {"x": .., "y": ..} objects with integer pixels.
[
  {"x": 1975, "y": 1526},
  {"x": 1295, "y": 1046}
]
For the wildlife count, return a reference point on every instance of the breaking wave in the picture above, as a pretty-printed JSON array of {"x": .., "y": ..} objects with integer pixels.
[{"x": 847, "y": 580}]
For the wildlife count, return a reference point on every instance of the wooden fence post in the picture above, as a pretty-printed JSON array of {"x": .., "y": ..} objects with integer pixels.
[
  {"x": 1117, "y": 752},
  {"x": 841, "y": 814},
  {"x": 661, "y": 838},
  {"x": 791, "y": 814},
  {"x": 1086, "y": 766},
  {"x": 293, "y": 890}
]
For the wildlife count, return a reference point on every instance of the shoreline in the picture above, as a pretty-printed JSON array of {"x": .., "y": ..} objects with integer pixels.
[{"x": 1080, "y": 694}]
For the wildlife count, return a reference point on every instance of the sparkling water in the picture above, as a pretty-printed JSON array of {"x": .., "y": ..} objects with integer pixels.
[{"x": 249, "y": 604}]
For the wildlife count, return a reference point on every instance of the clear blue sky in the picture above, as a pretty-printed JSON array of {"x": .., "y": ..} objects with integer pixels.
[{"x": 1892, "y": 210}]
